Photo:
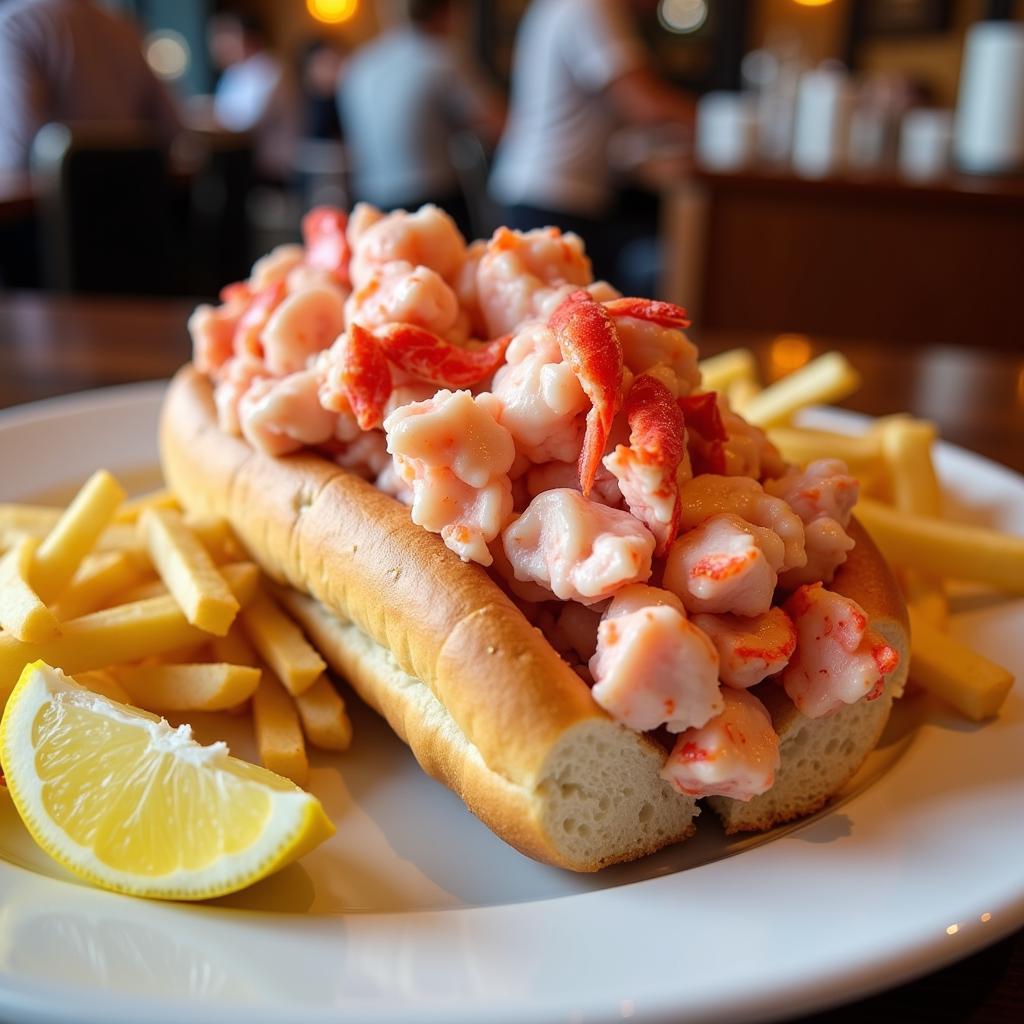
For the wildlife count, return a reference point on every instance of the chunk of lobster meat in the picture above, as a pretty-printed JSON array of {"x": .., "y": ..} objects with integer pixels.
[
  {"x": 747, "y": 450},
  {"x": 823, "y": 496},
  {"x": 407, "y": 394},
  {"x": 281, "y": 415},
  {"x": 467, "y": 518},
  {"x": 838, "y": 658},
  {"x": 542, "y": 399},
  {"x": 426, "y": 238},
  {"x": 355, "y": 377},
  {"x": 710, "y": 494},
  {"x": 524, "y": 592},
  {"x": 725, "y": 565},
  {"x": 212, "y": 329},
  {"x": 401, "y": 293},
  {"x": 327, "y": 248},
  {"x": 253, "y": 322},
  {"x": 426, "y": 356},
  {"x": 576, "y": 548},
  {"x": 735, "y": 755},
  {"x": 641, "y": 595},
  {"x": 648, "y": 343},
  {"x": 575, "y": 630},
  {"x": 275, "y": 266},
  {"x": 518, "y": 271},
  {"x": 301, "y": 327},
  {"x": 705, "y": 432},
  {"x": 551, "y": 475},
  {"x": 360, "y": 220},
  {"x": 237, "y": 375},
  {"x": 465, "y": 287},
  {"x": 750, "y": 649},
  {"x": 654, "y": 668},
  {"x": 456, "y": 431},
  {"x": 650, "y": 468},
  {"x": 590, "y": 346},
  {"x": 367, "y": 456}
]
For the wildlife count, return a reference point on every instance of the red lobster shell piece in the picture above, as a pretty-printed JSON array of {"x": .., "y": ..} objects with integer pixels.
[
  {"x": 590, "y": 346},
  {"x": 707, "y": 432},
  {"x": 657, "y": 439},
  {"x": 664, "y": 314},
  {"x": 365, "y": 377},
  {"x": 433, "y": 359},
  {"x": 323, "y": 232}
]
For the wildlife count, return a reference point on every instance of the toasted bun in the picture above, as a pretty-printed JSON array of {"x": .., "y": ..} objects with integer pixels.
[
  {"x": 486, "y": 704},
  {"x": 820, "y": 755}
]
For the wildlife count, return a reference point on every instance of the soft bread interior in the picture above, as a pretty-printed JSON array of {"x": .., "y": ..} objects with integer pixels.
[{"x": 598, "y": 799}]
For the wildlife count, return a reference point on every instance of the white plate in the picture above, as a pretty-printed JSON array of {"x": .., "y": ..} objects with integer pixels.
[{"x": 416, "y": 911}]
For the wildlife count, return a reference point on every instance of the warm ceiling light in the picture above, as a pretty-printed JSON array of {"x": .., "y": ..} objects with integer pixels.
[
  {"x": 682, "y": 16},
  {"x": 167, "y": 54},
  {"x": 332, "y": 12},
  {"x": 788, "y": 352},
  {"x": 813, "y": 3}
]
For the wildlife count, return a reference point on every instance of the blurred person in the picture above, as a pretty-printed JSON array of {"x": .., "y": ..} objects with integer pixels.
[
  {"x": 321, "y": 64},
  {"x": 580, "y": 72},
  {"x": 402, "y": 98},
  {"x": 70, "y": 60},
  {"x": 255, "y": 93}
]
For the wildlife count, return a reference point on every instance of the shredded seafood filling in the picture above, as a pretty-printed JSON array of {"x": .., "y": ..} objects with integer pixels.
[{"x": 556, "y": 432}]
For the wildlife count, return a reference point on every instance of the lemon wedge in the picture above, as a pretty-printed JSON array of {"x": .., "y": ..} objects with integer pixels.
[{"x": 131, "y": 804}]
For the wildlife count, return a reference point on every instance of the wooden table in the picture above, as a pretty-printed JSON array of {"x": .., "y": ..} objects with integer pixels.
[{"x": 51, "y": 346}]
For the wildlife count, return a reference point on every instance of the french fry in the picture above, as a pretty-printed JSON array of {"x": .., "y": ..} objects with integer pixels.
[
  {"x": 216, "y": 535},
  {"x": 102, "y": 681},
  {"x": 40, "y": 520},
  {"x": 186, "y": 567},
  {"x": 141, "y": 592},
  {"x": 281, "y": 645},
  {"x": 278, "y": 731},
  {"x": 861, "y": 453},
  {"x": 324, "y": 718},
  {"x": 101, "y": 576},
  {"x": 124, "y": 633},
  {"x": 951, "y": 550},
  {"x": 968, "y": 681},
  {"x": 825, "y": 379},
  {"x": 717, "y": 373},
  {"x": 22, "y": 614},
  {"x": 914, "y": 487},
  {"x": 741, "y": 391},
  {"x": 58, "y": 557},
  {"x": 130, "y": 510},
  {"x": 203, "y": 687},
  {"x": 234, "y": 648}
]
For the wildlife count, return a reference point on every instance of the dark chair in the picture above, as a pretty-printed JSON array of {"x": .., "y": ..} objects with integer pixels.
[{"x": 106, "y": 221}]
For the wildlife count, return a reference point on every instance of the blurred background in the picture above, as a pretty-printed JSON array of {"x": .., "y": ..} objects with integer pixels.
[{"x": 807, "y": 167}]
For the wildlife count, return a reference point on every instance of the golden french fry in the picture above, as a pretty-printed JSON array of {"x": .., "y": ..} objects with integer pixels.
[
  {"x": 914, "y": 487},
  {"x": 946, "y": 549},
  {"x": 35, "y": 520},
  {"x": 825, "y": 379},
  {"x": 717, "y": 373},
  {"x": 124, "y": 633},
  {"x": 22, "y": 614},
  {"x": 131, "y": 509},
  {"x": 186, "y": 567},
  {"x": 185, "y": 687},
  {"x": 234, "y": 648},
  {"x": 140, "y": 592},
  {"x": 278, "y": 731},
  {"x": 741, "y": 391},
  {"x": 216, "y": 535},
  {"x": 102, "y": 681},
  {"x": 281, "y": 645},
  {"x": 861, "y": 453},
  {"x": 75, "y": 534},
  {"x": 324, "y": 718},
  {"x": 101, "y": 576},
  {"x": 968, "y": 681}
]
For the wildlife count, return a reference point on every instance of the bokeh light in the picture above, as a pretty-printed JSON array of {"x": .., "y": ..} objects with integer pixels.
[
  {"x": 682, "y": 16},
  {"x": 788, "y": 352},
  {"x": 332, "y": 12},
  {"x": 813, "y": 3},
  {"x": 167, "y": 54}
]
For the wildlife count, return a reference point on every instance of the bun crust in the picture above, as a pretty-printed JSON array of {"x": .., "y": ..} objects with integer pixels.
[{"x": 484, "y": 702}]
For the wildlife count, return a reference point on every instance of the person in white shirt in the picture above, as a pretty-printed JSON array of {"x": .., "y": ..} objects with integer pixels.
[
  {"x": 579, "y": 72},
  {"x": 401, "y": 99},
  {"x": 254, "y": 93}
]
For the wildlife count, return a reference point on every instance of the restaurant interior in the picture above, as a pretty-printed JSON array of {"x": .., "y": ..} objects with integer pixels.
[{"x": 803, "y": 176}]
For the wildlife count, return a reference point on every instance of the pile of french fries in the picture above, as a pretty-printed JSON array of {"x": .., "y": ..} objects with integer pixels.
[
  {"x": 900, "y": 507},
  {"x": 161, "y": 611}
]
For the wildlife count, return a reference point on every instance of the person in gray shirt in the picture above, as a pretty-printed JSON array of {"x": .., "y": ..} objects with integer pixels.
[
  {"x": 69, "y": 60},
  {"x": 402, "y": 97}
]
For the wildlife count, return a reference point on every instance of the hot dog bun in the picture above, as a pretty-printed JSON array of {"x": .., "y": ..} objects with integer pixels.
[
  {"x": 485, "y": 703},
  {"x": 430, "y": 642}
]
